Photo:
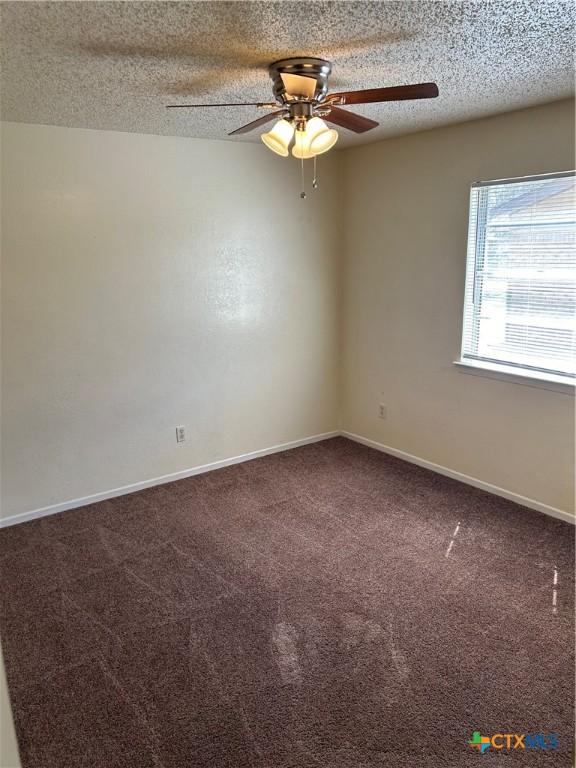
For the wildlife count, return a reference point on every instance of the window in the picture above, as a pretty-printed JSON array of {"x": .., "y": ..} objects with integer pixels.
[{"x": 520, "y": 297}]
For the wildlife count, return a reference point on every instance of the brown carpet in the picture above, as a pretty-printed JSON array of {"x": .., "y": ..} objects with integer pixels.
[{"x": 327, "y": 606}]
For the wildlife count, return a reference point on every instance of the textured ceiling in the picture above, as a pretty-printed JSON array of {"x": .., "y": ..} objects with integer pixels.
[{"x": 115, "y": 65}]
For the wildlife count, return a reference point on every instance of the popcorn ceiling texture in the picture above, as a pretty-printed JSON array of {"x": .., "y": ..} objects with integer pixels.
[{"x": 115, "y": 65}]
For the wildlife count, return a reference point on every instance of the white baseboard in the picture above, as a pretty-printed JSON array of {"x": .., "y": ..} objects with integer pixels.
[
  {"x": 516, "y": 497},
  {"x": 484, "y": 486},
  {"x": 24, "y": 517}
]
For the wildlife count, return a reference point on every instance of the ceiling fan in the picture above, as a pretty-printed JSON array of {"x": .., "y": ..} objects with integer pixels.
[{"x": 300, "y": 87}]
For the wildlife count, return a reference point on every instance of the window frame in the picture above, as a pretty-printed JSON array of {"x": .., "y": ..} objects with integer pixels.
[{"x": 514, "y": 373}]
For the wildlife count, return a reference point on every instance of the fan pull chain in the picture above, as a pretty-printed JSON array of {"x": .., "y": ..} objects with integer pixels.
[
  {"x": 303, "y": 192},
  {"x": 315, "y": 179}
]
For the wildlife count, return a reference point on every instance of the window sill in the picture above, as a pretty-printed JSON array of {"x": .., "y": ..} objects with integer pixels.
[{"x": 513, "y": 376}]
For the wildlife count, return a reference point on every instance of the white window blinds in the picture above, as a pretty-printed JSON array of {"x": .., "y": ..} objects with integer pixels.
[{"x": 520, "y": 302}]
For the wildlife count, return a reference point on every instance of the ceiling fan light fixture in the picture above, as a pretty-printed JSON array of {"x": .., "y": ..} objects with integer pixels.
[
  {"x": 279, "y": 138},
  {"x": 320, "y": 137},
  {"x": 301, "y": 148}
]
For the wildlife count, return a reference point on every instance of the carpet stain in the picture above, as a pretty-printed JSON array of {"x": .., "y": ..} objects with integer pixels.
[{"x": 285, "y": 639}]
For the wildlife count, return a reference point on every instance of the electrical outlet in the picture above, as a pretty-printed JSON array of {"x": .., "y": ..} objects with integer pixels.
[
  {"x": 180, "y": 434},
  {"x": 382, "y": 411}
]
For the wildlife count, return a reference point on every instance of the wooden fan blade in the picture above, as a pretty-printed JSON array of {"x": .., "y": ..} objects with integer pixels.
[
  {"x": 353, "y": 122},
  {"x": 395, "y": 93},
  {"x": 234, "y": 104},
  {"x": 255, "y": 123}
]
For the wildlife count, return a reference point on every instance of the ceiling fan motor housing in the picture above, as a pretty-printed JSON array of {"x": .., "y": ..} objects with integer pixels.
[{"x": 304, "y": 66}]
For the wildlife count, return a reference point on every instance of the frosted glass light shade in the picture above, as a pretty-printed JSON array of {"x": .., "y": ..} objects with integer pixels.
[
  {"x": 301, "y": 148},
  {"x": 321, "y": 138},
  {"x": 279, "y": 138}
]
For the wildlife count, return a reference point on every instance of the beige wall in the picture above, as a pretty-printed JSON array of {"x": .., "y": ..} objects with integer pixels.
[
  {"x": 150, "y": 282},
  {"x": 8, "y": 746},
  {"x": 406, "y": 215}
]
